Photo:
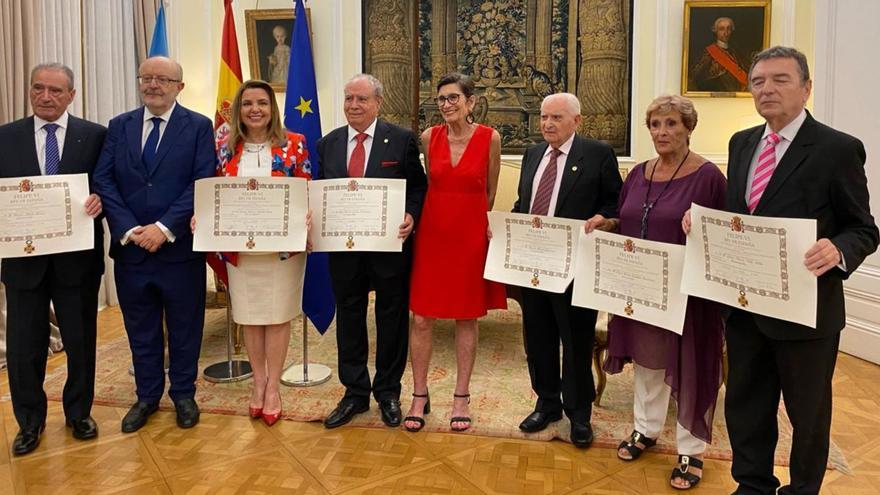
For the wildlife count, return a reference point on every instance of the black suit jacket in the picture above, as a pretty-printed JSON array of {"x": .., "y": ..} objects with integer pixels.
[
  {"x": 821, "y": 176},
  {"x": 82, "y": 146},
  {"x": 394, "y": 155},
  {"x": 590, "y": 180}
]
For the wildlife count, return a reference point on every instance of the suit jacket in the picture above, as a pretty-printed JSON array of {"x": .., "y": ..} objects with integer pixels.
[
  {"x": 821, "y": 176},
  {"x": 393, "y": 155},
  {"x": 133, "y": 196},
  {"x": 590, "y": 180},
  {"x": 82, "y": 146}
]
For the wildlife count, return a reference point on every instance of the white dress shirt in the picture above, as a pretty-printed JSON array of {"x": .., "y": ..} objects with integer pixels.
[
  {"x": 368, "y": 143},
  {"x": 40, "y": 138},
  {"x": 786, "y": 136},
  {"x": 560, "y": 168}
]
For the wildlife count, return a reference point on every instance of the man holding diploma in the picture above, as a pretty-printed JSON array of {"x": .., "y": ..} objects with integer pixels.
[
  {"x": 572, "y": 177},
  {"x": 369, "y": 147},
  {"x": 48, "y": 143},
  {"x": 795, "y": 167}
]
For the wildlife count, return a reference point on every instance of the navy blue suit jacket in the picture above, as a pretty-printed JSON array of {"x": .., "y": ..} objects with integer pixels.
[{"x": 133, "y": 196}]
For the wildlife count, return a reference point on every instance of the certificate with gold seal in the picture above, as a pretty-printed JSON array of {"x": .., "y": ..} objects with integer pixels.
[
  {"x": 251, "y": 214},
  {"x": 357, "y": 214},
  {"x": 752, "y": 263},
  {"x": 631, "y": 277},
  {"x": 532, "y": 251},
  {"x": 44, "y": 214}
]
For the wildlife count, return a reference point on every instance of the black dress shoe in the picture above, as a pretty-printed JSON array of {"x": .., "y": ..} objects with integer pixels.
[
  {"x": 83, "y": 429},
  {"x": 136, "y": 417},
  {"x": 390, "y": 412},
  {"x": 345, "y": 411},
  {"x": 187, "y": 413},
  {"x": 581, "y": 435},
  {"x": 27, "y": 440},
  {"x": 538, "y": 420}
]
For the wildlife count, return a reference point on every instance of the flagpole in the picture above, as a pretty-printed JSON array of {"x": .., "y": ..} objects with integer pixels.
[{"x": 305, "y": 374}]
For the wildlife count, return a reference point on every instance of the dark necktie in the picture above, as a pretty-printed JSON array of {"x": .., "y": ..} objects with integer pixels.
[
  {"x": 151, "y": 146},
  {"x": 358, "y": 157},
  {"x": 53, "y": 159},
  {"x": 541, "y": 204}
]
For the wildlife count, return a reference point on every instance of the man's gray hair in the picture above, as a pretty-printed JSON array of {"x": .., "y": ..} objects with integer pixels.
[
  {"x": 783, "y": 52},
  {"x": 571, "y": 101},
  {"x": 728, "y": 19},
  {"x": 57, "y": 67},
  {"x": 175, "y": 62},
  {"x": 378, "y": 88}
]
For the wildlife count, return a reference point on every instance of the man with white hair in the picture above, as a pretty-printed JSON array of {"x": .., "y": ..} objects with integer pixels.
[
  {"x": 572, "y": 177},
  {"x": 720, "y": 67}
]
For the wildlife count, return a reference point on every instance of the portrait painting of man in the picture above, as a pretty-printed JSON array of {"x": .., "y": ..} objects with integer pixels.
[{"x": 720, "y": 39}]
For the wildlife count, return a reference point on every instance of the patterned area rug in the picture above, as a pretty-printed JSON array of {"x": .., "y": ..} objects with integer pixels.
[{"x": 500, "y": 389}]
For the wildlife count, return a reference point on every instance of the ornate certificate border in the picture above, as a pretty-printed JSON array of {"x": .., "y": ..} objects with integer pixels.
[
  {"x": 737, "y": 225},
  {"x": 537, "y": 223},
  {"x": 629, "y": 246},
  {"x": 382, "y": 232},
  {"x": 27, "y": 186},
  {"x": 251, "y": 185}
]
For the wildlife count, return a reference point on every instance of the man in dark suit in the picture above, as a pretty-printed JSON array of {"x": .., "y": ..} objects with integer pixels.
[
  {"x": 820, "y": 174},
  {"x": 52, "y": 142},
  {"x": 151, "y": 159},
  {"x": 368, "y": 147},
  {"x": 571, "y": 177}
]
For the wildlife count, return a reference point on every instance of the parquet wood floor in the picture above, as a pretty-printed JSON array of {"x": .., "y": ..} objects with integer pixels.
[{"x": 232, "y": 455}]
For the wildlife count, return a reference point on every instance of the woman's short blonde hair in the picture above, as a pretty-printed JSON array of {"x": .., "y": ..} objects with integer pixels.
[{"x": 664, "y": 104}]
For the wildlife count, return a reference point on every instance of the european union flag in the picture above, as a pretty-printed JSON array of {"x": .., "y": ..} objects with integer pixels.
[
  {"x": 301, "y": 115},
  {"x": 159, "y": 44}
]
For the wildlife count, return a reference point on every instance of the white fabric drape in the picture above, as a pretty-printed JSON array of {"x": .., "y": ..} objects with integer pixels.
[{"x": 19, "y": 48}]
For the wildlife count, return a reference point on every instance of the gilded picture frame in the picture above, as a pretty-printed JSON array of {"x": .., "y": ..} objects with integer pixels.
[
  {"x": 269, "y": 34},
  {"x": 720, "y": 39}
]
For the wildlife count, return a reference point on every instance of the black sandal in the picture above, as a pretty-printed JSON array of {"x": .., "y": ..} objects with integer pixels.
[
  {"x": 460, "y": 419},
  {"x": 425, "y": 411},
  {"x": 685, "y": 462},
  {"x": 631, "y": 445}
]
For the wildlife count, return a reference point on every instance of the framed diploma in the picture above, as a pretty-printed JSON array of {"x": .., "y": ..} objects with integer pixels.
[
  {"x": 631, "y": 277},
  {"x": 357, "y": 214},
  {"x": 44, "y": 214},
  {"x": 752, "y": 263},
  {"x": 251, "y": 214},
  {"x": 532, "y": 251}
]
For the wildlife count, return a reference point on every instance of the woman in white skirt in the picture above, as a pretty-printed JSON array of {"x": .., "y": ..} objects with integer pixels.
[{"x": 265, "y": 288}]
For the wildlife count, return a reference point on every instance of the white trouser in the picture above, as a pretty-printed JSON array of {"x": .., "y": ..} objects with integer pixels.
[{"x": 650, "y": 403}]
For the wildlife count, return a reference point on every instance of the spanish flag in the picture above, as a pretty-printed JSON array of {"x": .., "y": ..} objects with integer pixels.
[{"x": 230, "y": 80}]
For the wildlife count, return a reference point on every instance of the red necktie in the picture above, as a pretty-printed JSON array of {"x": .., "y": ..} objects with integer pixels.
[
  {"x": 764, "y": 170},
  {"x": 541, "y": 204},
  {"x": 358, "y": 157}
]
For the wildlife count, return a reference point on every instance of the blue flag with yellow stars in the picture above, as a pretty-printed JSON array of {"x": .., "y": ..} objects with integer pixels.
[{"x": 301, "y": 115}]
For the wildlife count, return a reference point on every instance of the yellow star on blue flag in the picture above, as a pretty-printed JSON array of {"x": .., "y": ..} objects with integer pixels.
[{"x": 304, "y": 107}]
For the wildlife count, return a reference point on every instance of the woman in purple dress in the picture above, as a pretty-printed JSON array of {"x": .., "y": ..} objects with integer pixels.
[{"x": 653, "y": 200}]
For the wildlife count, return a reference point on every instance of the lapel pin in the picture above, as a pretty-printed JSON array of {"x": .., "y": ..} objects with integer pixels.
[
  {"x": 386, "y": 141},
  {"x": 574, "y": 169}
]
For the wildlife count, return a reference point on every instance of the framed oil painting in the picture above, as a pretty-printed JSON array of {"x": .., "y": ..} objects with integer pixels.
[
  {"x": 720, "y": 39},
  {"x": 269, "y": 32}
]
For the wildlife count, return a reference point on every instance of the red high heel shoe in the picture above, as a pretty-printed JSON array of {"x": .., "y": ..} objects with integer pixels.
[
  {"x": 272, "y": 418},
  {"x": 255, "y": 412}
]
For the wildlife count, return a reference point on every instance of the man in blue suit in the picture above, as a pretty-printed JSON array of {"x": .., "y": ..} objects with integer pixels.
[{"x": 151, "y": 158}]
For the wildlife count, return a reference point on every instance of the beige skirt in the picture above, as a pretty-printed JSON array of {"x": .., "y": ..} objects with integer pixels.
[{"x": 266, "y": 290}]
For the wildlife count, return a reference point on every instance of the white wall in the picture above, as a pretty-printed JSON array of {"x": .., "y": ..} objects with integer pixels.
[{"x": 844, "y": 91}]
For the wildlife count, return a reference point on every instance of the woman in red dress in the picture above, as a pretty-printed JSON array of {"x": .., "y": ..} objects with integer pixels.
[{"x": 463, "y": 161}]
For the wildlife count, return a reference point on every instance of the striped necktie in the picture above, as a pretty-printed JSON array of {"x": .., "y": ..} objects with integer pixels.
[
  {"x": 541, "y": 204},
  {"x": 53, "y": 158},
  {"x": 764, "y": 170}
]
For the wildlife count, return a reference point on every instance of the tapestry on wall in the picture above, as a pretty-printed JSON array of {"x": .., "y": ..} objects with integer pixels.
[{"x": 516, "y": 51}]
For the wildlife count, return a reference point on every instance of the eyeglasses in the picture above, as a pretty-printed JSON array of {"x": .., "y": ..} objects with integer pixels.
[
  {"x": 160, "y": 80},
  {"x": 452, "y": 99}
]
